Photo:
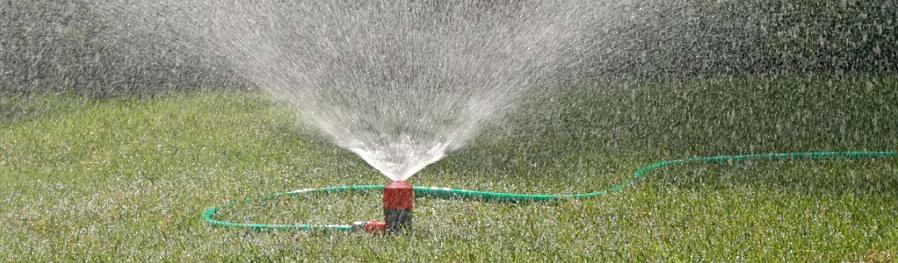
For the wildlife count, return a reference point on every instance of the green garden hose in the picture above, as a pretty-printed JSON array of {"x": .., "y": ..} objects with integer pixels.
[{"x": 440, "y": 192}]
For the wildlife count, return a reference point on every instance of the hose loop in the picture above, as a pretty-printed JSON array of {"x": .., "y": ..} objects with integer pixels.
[{"x": 447, "y": 193}]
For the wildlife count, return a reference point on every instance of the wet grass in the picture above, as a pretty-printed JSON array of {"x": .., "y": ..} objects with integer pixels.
[{"x": 89, "y": 180}]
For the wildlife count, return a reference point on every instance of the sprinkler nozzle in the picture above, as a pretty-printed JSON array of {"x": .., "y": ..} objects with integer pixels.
[{"x": 398, "y": 199}]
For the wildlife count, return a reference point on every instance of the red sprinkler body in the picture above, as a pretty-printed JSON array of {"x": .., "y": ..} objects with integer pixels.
[{"x": 398, "y": 199}]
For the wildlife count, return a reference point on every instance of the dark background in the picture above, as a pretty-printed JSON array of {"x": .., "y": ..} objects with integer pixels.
[{"x": 64, "y": 46}]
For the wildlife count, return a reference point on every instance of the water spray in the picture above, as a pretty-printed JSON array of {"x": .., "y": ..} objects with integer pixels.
[{"x": 398, "y": 196}]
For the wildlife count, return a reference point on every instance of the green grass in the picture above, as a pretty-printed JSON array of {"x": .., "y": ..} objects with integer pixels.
[{"x": 105, "y": 180}]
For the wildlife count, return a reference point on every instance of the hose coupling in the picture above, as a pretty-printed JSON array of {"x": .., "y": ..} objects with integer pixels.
[{"x": 370, "y": 227}]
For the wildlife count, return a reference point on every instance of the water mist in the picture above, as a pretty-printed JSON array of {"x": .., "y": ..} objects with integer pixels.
[{"x": 400, "y": 83}]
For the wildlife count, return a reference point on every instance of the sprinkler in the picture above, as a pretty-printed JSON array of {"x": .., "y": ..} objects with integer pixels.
[
  {"x": 398, "y": 198},
  {"x": 397, "y": 201}
]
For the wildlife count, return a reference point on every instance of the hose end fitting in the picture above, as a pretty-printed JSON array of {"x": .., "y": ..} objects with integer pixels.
[
  {"x": 370, "y": 227},
  {"x": 398, "y": 199}
]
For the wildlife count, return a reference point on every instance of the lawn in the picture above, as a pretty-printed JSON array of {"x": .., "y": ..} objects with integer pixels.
[{"x": 89, "y": 179}]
